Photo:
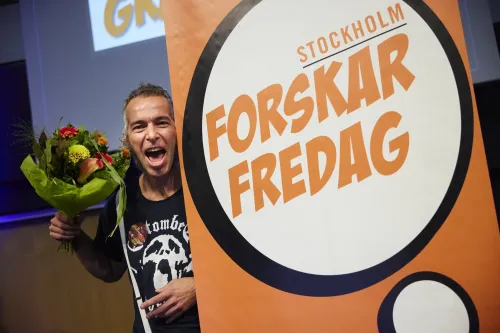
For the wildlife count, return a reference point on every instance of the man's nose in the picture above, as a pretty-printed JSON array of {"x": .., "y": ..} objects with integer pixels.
[{"x": 151, "y": 133}]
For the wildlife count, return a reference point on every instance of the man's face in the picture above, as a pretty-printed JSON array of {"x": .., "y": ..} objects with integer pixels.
[{"x": 151, "y": 134}]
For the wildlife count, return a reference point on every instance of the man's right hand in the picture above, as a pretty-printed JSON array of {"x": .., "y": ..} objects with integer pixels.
[
  {"x": 64, "y": 228},
  {"x": 95, "y": 261}
]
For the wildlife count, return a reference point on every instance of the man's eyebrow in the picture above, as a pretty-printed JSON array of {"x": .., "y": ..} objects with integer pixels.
[
  {"x": 140, "y": 121},
  {"x": 159, "y": 118}
]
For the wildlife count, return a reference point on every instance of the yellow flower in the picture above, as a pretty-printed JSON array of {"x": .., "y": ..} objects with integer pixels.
[
  {"x": 77, "y": 153},
  {"x": 102, "y": 140},
  {"x": 125, "y": 152}
]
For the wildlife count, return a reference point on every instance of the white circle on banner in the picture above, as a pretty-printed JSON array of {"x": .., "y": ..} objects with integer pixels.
[
  {"x": 348, "y": 229},
  {"x": 431, "y": 307}
]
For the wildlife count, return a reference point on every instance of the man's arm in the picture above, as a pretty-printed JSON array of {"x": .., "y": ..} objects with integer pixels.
[
  {"x": 95, "y": 260},
  {"x": 101, "y": 257}
]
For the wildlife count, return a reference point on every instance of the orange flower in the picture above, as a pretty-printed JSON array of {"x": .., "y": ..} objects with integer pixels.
[
  {"x": 88, "y": 167},
  {"x": 102, "y": 140},
  {"x": 68, "y": 131},
  {"x": 125, "y": 152}
]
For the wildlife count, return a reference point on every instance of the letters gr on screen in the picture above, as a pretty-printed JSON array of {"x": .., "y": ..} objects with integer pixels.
[{"x": 137, "y": 8}]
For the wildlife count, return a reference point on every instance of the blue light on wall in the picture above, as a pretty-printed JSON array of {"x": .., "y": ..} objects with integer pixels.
[{"x": 37, "y": 214}]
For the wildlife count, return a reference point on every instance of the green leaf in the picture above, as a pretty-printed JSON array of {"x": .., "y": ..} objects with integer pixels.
[
  {"x": 68, "y": 179},
  {"x": 122, "y": 203},
  {"x": 73, "y": 142},
  {"x": 62, "y": 145},
  {"x": 43, "y": 139},
  {"x": 43, "y": 162},
  {"x": 59, "y": 123},
  {"x": 58, "y": 163},
  {"x": 48, "y": 155},
  {"x": 122, "y": 192},
  {"x": 37, "y": 150},
  {"x": 103, "y": 175}
]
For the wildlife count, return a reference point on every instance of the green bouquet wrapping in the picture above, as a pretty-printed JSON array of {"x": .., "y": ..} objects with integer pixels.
[{"x": 75, "y": 171}]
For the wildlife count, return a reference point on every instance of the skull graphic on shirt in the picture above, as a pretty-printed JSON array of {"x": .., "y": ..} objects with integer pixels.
[{"x": 169, "y": 257}]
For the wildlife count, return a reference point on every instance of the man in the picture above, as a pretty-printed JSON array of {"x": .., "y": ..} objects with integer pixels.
[{"x": 157, "y": 239}]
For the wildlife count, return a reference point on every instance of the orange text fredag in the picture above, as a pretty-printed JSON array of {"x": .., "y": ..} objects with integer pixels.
[{"x": 276, "y": 107}]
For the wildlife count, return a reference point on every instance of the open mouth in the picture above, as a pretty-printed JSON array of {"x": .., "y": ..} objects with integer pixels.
[{"x": 155, "y": 155}]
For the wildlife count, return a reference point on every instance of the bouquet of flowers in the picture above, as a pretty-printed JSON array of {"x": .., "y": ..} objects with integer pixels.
[{"x": 74, "y": 171}]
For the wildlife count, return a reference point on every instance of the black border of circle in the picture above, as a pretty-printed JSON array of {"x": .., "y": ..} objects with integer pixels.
[
  {"x": 237, "y": 247},
  {"x": 385, "y": 318}
]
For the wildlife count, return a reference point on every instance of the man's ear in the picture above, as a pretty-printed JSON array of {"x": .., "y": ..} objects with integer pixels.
[{"x": 124, "y": 140}]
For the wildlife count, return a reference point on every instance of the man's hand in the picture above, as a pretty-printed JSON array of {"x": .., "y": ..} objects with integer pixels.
[
  {"x": 63, "y": 228},
  {"x": 179, "y": 296}
]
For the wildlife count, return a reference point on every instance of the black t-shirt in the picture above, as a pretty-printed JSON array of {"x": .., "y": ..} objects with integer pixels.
[{"x": 158, "y": 250}]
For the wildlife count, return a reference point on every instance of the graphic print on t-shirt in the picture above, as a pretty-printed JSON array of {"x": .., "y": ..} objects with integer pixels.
[
  {"x": 137, "y": 235},
  {"x": 159, "y": 253}
]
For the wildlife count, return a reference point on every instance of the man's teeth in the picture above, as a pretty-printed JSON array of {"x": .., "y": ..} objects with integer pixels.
[{"x": 154, "y": 150}]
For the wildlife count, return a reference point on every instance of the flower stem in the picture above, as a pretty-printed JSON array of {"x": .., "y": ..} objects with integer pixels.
[{"x": 68, "y": 246}]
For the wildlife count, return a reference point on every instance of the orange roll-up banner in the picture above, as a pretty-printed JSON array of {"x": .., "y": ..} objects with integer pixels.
[{"x": 333, "y": 166}]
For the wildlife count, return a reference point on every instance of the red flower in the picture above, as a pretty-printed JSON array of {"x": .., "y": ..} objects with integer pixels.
[
  {"x": 68, "y": 131},
  {"x": 106, "y": 156}
]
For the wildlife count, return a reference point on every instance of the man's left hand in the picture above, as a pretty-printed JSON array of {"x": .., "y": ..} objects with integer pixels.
[{"x": 179, "y": 296}]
